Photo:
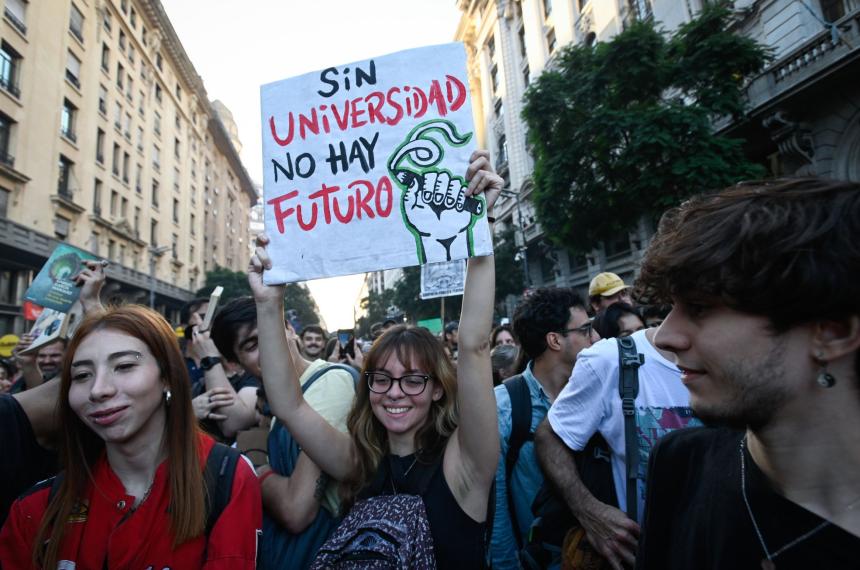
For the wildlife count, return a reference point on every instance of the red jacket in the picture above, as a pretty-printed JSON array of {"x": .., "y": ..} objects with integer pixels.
[{"x": 109, "y": 534}]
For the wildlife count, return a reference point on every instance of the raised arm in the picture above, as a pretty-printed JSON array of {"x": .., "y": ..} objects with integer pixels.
[
  {"x": 330, "y": 449},
  {"x": 476, "y": 449},
  {"x": 91, "y": 279}
]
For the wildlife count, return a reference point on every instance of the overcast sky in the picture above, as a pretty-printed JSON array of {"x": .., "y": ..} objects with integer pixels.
[{"x": 236, "y": 46}]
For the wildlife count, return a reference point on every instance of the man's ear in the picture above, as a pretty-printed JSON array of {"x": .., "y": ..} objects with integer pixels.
[
  {"x": 832, "y": 340},
  {"x": 553, "y": 342}
]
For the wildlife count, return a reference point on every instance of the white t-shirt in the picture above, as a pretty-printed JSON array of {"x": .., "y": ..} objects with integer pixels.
[{"x": 590, "y": 403}]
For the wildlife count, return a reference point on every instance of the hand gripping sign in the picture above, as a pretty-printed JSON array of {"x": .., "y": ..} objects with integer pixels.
[{"x": 364, "y": 166}]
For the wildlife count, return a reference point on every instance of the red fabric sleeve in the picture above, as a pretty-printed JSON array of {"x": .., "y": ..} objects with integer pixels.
[
  {"x": 19, "y": 531},
  {"x": 234, "y": 538}
]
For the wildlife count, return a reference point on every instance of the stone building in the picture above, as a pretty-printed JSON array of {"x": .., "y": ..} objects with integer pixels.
[
  {"x": 108, "y": 141},
  {"x": 804, "y": 108}
]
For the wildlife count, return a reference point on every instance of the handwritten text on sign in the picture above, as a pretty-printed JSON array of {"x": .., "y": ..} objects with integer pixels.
[{"x": 364, "y": 166}]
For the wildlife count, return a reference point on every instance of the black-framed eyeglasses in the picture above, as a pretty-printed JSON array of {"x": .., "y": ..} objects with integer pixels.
[
  {"x": 410, "y": 384},
  {"x": 584, "y": 330}
]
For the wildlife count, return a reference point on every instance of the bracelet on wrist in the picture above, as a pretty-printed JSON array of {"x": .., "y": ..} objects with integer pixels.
[{"x": 264, "y": 476}]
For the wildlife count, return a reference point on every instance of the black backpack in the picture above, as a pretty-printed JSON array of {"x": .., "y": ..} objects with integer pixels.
[
  {"x": 217, "y": 476},
  {"x": 594, "y": 464}
]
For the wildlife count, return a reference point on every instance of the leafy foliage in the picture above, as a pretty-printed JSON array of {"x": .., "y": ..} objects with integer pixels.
[
  {"x": 406, "y": 298},
  {"x": 625, "y": 128},
  {"x": 235, "y": 284},
  {"x": 509, "y": 271}
]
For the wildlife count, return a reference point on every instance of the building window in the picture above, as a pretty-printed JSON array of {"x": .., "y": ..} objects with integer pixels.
[
  {"x": 641, "y": 9},
  {"x": 127, "y": 126},
  {"x": 832, "y": 10},
  {"x": 494, "y": 77},
  {"x": 117, "y": 115},
  {"x": 137, "y": 183},
  {"x": 526, "y": 76},
  {"x": 176, "y": 148},
  {"x": 115, "y": 160},
  {"x": 65, "y": 177},
  {"x": 129, "y": 91},
  {"x": 111, "y": 253},
  {"x": 124, "y": 6},
  {"x": 153, "y": 233},
  {"x": 4, "y": 203},
  {"x": 158, "y": 93},
  {"x": 100, "y": 146},
  {"x": 140, "y": 138},
  {"x": 132, "y": 53},
  {"x": 103, "y": 99},
  {"x": 125, "y": 166},
  {"x": 136, "y": 222},
  {"x": 174, "y": 246},
  {"x": 114, "y": 198},
  {"x": 5, "y": 140},
  {"x": 97, "y": 197},
  {"x": 120, "y": 76},
  {"x": 123, "y": 207},
  {"x": 176, "y": 210},
  {"x": 16, "y": 13},
  {"x": 76, "y": 23},
  {"x": 155, "y": 193},
  {"x": 156, "y": 158},
  {"x": 10, "y": 66},
  {"x": 156, "y": 127},
  {"x": 94, "y": 243},
  {"x": 133, "y": 19},
  {"x": 61, "y": 227},
  {"x": 73, "y": 70},
  {"x": 143, "y": 35},
  {"x": 106, "y": 22},
  {"x": 106, "y": 58},
  {"x": 547, "y": 8},
  {"x": 140, "y": 103},
  {"x": 159, "y": 61},
  {"x": 122, "y": 42},
  {"x": 502, "y": 147},
  {"x": 550, "y": 40},
  {"x": 178, "y": 92},
  {"x": 193, "y": 225},
  {"x": 67, "y": 120},
  {"x": 522, "y": 37}
]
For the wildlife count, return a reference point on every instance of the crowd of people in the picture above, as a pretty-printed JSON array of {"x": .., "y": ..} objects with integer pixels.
[{"x": 705, "y": 416}]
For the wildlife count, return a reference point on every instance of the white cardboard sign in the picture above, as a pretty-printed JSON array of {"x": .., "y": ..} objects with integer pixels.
[
  {"x": 364, "y": 166},
  {"x": 443, "y": 279}
]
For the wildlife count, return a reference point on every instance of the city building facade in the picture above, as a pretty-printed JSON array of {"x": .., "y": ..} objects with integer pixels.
[
  {"x": 804, "y": 109},
  {"x": 109, "y": 142}
]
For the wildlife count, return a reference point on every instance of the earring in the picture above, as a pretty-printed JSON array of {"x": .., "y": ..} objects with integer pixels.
[
  {"x": 825, "y": 379},
  {"x": 167, "y": 397}
]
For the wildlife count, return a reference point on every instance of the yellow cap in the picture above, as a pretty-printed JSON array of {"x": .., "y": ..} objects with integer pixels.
[
  {"x": 7, "y": 343},
  {"x": 605, "y": 285}
]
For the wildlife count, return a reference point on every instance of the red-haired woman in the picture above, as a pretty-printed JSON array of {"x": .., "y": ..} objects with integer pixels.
[{"x": 132, "y": 492}]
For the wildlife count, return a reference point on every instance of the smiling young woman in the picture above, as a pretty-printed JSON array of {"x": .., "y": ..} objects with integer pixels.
[
  {"x": 132, "y": 491},
  {"x": 407, "y": 435}
]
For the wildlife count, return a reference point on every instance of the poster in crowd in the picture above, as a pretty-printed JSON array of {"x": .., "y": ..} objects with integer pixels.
[
  {"x": 364, "y": 166},
  {"x": 443, "y": 279}
]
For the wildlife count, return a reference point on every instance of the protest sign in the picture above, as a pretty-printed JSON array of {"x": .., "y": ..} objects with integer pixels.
[
  {"x": 443, "y": 279},
  {"x": 364, "y": 166}
]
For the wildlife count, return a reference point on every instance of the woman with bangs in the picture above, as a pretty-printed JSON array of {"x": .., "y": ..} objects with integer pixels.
[
  {"x": 132, "y": 492},
  {"x": 416, "y": 419}
]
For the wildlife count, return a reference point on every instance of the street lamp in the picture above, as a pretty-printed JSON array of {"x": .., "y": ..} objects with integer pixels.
[{"x": 154, "y": 252}]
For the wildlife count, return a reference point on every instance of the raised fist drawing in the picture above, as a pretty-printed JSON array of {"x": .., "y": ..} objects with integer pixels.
[{"x": 434, "y": 203}]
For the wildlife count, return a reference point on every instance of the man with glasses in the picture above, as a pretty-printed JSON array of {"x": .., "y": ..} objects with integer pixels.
[
  {"x": 553, "y": 327},
  {"x": 590, "y": 403}
]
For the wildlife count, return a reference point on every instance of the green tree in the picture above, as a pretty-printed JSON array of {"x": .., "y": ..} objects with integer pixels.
[
  {"x": 235, "y": 284},
  {"x": 625, "y": 128},
  {"x": 509, "y": 271},
  {"x": 406, "y": 298},
  {"x": 376, "y": 305}
]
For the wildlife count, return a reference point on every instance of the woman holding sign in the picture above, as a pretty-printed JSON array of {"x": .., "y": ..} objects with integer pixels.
[
  {"x": 423, "y": 436},
  {"x": 142, "y": 487}
]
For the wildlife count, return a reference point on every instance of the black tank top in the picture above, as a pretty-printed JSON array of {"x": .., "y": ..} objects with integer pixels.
[{"x": 458, "y": 540}]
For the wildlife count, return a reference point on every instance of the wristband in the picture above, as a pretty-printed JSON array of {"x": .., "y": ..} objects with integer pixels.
[
  {"x": 491, "y": 219},
  {"x": 207, "y": 363},
  {"x": 265, "y": 475}
]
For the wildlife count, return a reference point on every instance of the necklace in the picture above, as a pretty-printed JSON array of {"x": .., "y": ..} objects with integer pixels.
[
  {"x": 405, "y": 473},
  {"x": 767, "y": 563}
]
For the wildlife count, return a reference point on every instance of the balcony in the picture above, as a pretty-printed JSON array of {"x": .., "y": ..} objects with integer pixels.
[
  {"x": 69, "y": 134},
  {"x": 7, "y": 159},
  {"x": 71, "y": 78},
  {"x": 18, "y": 24},
  {"x": 8, "y": 84}
]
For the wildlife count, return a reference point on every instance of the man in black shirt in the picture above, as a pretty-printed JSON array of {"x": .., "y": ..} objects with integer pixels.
[{"x": 766, "y": 331}]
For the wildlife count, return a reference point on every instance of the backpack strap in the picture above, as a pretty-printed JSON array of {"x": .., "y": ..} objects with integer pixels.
[
  {"x": 521, "y": 419},
  {"x": 628, "y": 387},
  {"x": 218, "y": 477},
  {"x": 319, "y": 373}
]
